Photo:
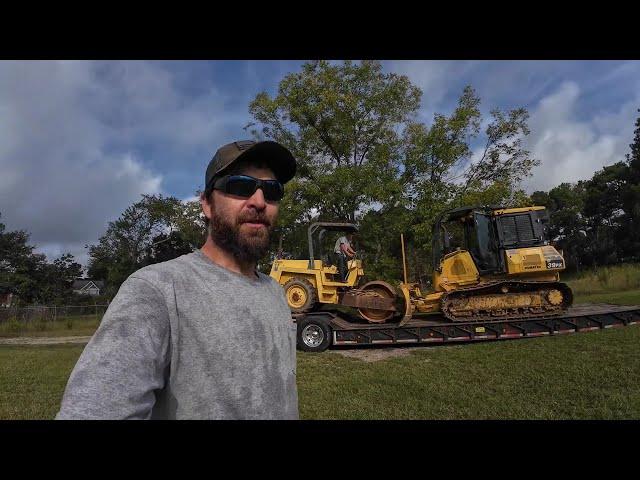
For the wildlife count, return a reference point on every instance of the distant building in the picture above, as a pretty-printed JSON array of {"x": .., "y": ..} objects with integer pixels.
[
  {"x": 88, "y": 287},
  {"x": 7, "y": 299}
]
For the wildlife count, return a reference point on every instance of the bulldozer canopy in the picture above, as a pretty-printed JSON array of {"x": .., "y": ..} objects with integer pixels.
[
  {"x": 334, "y": 227},
  {"x": 315, "y": 245}
]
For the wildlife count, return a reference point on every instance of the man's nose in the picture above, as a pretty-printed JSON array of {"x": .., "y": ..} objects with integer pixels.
[{"x": 257, "y": 200}]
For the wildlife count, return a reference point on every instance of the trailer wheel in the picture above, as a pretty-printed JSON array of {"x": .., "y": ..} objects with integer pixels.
[{"x": 314, "y": 335}]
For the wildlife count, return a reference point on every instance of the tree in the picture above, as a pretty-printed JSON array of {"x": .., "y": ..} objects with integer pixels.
[
  {"x": 190, "y": 223},
  {"x": 56, "y": 279},
  {"x": 341, "y": 122},
  {"x": 165, "y": 247},
  {"x": 568, "y": 227},
  {"x": 364, "y": 158},
  {"x": 28, "y": 275},
  {"x": 629, "y": 236},
  {"x": 18, "y": 262},
  {"x": 441, "y": 170},
  {"x": 154, "y": 229}
]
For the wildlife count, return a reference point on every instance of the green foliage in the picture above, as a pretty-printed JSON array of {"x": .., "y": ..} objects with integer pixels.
[
  {"x": 29, "y": 276},
  {"x": 13, "y": 326},
  {"x": 153, "y": 230},
  {"x": 628, "y": 297},
  {"x": 340, "y": 122},
  {"x": 442, "y": 172},
  {"x": 363, "y": 158}
]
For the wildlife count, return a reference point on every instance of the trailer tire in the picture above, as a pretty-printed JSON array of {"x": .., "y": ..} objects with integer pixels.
[{"x": 314, "y": 335}]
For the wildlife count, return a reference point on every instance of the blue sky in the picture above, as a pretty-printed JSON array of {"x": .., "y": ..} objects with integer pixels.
[{"x": 80, "y": 140}]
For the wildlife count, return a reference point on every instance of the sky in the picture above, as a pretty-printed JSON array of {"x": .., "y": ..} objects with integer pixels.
[{"x": 80, "y": 141}]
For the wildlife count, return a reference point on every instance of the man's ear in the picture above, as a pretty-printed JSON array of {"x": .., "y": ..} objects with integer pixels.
[{"x": 206, "y": 206}]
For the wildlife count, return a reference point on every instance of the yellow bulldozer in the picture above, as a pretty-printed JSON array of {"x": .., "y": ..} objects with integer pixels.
[
  {"x": 491, "y": 263},
  {"x": 488, "y": 263}
]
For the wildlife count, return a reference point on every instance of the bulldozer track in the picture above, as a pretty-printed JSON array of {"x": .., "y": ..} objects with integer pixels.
[{"x": 451, "y": 300}]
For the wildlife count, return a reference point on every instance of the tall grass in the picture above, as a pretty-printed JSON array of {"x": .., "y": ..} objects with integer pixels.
[
  {"x": 71, "y": 325},
  {"x": 616, "y": 278}
]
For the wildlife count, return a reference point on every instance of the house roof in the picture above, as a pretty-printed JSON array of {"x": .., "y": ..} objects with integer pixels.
[{"x": 79, "y": 284}]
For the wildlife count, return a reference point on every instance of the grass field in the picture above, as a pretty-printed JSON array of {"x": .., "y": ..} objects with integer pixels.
[
  {"x": 594, "y": 375},
  {"x": 32, "y": 379}
]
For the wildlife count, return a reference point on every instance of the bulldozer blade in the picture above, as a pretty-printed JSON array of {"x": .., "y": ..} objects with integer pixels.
[{"x": 408, "y": 306}]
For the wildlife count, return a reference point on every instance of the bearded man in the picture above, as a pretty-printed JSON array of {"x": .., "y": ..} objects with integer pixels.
[{"x": 205, "y": 335}]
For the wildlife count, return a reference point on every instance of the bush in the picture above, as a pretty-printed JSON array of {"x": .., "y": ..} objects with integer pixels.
[
  {"x": 13, "y": 326},
  {"x": 603, "y": 276},
  {"x": 41, "y": 325},
  {"x": 616, "y": 278}
]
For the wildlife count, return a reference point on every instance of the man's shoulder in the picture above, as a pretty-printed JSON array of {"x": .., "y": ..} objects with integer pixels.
[
  {"x": 163, "y": 272},
  {"x": 272, "y": 282}
]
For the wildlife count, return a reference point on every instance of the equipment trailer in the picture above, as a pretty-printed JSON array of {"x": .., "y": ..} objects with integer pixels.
[{"x": 321, "y": 329}]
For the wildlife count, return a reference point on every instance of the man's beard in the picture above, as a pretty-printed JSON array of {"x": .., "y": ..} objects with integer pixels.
[{"x": 247, "y": 247}]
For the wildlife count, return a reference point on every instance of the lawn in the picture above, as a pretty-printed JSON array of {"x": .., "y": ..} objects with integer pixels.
[
  {"x": 619, "y": 298},
  {"x": 32, "y": 379},
  {"x": 594, "y": 375}
]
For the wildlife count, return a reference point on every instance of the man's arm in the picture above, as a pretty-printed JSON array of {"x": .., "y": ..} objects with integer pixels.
[
  {"x": 124, "y": 362},
  {"x": 346, "y": 248}
]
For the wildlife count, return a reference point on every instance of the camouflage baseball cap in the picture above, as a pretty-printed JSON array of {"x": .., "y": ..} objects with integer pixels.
[{"x": 279, "y": 158}]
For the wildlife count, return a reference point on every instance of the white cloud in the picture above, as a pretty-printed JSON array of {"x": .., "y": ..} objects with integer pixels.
[
  {"x": 193, "y": 198},
  {"x": 70, "y": 143},
  {"x": 571, "y": 149},
  {"x": 434, "y": 78},
  {"x": 583, "y": 124}
]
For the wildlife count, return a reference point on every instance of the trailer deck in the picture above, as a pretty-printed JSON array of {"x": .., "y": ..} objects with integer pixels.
[{"x": 349, "y": 330}]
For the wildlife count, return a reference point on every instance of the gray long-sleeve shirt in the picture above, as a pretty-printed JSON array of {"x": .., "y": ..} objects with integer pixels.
[{"x": 188, "y": 339}]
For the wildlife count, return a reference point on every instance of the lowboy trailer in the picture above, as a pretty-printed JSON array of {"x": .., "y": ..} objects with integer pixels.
[{"x": 319, "y": 330}]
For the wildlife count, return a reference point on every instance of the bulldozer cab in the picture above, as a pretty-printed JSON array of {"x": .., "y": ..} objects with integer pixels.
[{"x": 486, "y": 232}]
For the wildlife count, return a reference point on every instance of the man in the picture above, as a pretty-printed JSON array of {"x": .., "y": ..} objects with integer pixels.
[
  {"x": 202, "y": 336},
  {"x": 344, "y": 251}
]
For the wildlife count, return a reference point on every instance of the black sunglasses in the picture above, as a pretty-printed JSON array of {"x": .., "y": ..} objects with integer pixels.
[{"x": 246, "y": 186}]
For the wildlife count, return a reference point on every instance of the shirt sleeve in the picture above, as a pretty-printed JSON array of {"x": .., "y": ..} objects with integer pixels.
[{"x": 124, "y": 363}]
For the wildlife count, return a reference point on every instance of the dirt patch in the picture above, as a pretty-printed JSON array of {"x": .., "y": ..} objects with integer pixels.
[
  {"x": 43, "y": 340},
  {"x": 374, "y": 355},
  {"x": 384, "y": 353}
]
